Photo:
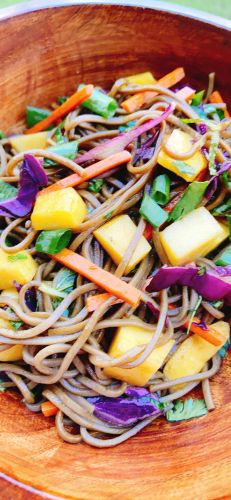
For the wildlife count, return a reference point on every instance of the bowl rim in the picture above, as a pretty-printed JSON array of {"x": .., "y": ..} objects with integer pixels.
[{"x": 36, "y": 5}]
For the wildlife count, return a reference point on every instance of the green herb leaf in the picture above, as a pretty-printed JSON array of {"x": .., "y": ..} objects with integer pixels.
[
  {"x": 184, "y": 410},
  {"x": 35, "y": 115},
  {"x": 2, "y": 135},
  {"x": 194, "y": 310},
  {"x": 127, "y": 126},
  {"x": 7, "y": 191},
  {"x": 223, "y": 350},
  {"x": 46, "y": 287},
  {"x": 223, "y": 209},
  {"x": 61, "y": 99},
  {"x": 17, "y": 256},
  {"x": 16, "y": 324},
  {"x": 213, "y": 151},
  {"x": 108, "y": 215},
  {"x": 228, "y": 218},
  {"x": 197, "y": 98},
  {"x": 226, "y": 179},
  {"x": 224, "y": 258},
  {"x": 217, "y": 303},
  {"x": 95, "y": 185},
  {"x": 201, "y": 271},
  {"x": 152, "y": 212},
  {"x": 52, "y": 242},
  {"x": 65, "y": 280},
  {"x": 66, "y": 149},
  {"x": 60, "y": 139},
  {"x": 161, "y": 189},
  {"x": 189, "y": 201}
]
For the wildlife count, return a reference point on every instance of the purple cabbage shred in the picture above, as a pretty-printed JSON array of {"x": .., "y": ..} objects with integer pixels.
[{"x": 31, "y": 178}]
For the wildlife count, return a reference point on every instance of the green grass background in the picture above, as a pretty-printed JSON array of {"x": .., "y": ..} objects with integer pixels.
[{"x": 218, "y": 7}]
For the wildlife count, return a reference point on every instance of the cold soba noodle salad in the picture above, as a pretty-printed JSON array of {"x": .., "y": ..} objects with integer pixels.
[{"x": 115, "y": 256}]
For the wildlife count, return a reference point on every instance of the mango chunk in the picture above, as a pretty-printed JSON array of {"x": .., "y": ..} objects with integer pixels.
[
  {"x": 193, "y": 236},
  {"x": 32, "y": 141},
  {"x": 59, "y": 209},
  {"x": 20, "y": 267},
  {"x": 14, "y": 353},
  {"x": 115, "y": 236},
  {"x": 181, "y": 142},
  {"x": 192, "y": 354},
  {"x": 145, "y": 78},
  {"x": 127, "y": 337}
]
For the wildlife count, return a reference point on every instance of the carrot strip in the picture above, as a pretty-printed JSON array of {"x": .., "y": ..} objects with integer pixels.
[
  {"x": 71, "y": 103},
  {"x": 104, "y": 279},
  {"x": 216, "y": 98},
  {"x": 173, "y": 202},
  {"x": 94, "y": 301},
  {"x": 202, "y": 175},
  {"x": 49, "y": 409},
  {"x": 93, "y": 171},
  {"x": 186, "y": 93},
  {"x": 137, "y": 100},
  {"x": 211, "y": 335}
]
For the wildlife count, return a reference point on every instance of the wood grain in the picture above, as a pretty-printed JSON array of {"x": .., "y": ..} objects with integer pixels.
[{"x": 45, "y": 54}]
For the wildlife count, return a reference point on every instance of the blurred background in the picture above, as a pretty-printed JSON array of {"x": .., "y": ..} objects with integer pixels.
[{"x": 218, "y": 7}]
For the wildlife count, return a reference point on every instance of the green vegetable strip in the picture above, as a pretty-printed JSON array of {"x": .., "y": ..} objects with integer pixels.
[
  {"x": 190, "y": 200},
  {"x": 197, "y": 98},
  {"x": 66, "y": 149},
  {"x": 2, "y": 135},
  {"x": 229, "y": 223},
  {"x": 152, "y": 212},
  {"x": 100, "y": 103},
  {"x": 223, "y": 209},
  {"x": 213, "y": 151},
  {"x": 35, "y": 115},
  {"x": 161, "y": 189},
  {"x": 189, "y": 408},
  {"x": 95, "y": 185},
  {"x": 224, "y": 258},
  {"x": 7, "y": 191},
  {"x": 52, "y": 242},
  {"x": 226, "y": 179}
]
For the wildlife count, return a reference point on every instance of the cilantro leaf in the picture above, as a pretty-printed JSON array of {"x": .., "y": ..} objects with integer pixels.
[
  {"x": 184, "y": 410},
  {"x": 95, "y": 185},
  {"x": 16, "y": 324}
]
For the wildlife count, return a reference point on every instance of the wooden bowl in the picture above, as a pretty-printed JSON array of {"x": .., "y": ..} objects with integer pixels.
[{"x": 45, "y": 52}]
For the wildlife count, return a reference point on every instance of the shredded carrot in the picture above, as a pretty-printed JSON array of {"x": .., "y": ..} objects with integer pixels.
[
  {"x": 211, "y": 335},
  {"x": 71, "y": 103},
  {"x": 94, "y": 301},
  {"x": 49, "y": 409},
  {"x": 173, "y": 202},
  {"x": 102, "y": 278},
  {"x": 138, "y": 100},
  {"x": 186, "y": 93},
  {"x": 93, "y": 171},
  {"x": 216, "y": 98}
]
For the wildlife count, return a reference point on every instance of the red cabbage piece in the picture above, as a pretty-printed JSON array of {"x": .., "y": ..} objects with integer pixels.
[
  {"x": 31, "y": 178},
  {"x": 211, "y": 284},
  {"x": 136, "y": 404},
  {"x": 120, "y": 142}
]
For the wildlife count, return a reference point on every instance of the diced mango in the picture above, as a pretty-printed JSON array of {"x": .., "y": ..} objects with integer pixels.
[
  {"x": 192, "y": 354},
  {"x": 193, "y": 236},
  {"x": 14, "y": 353},
  {"x": 20, "y": 267},
  {"x": 115, "y": 236},
  {"x": 145, "y": 78},
  {"x": 58, "y": 209},
  {"x": 127, "y": 337},
  {"x": 31, "y": 141},
  {"x": 10, "y": 293},
  {"x": 181, "y": 142}
]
